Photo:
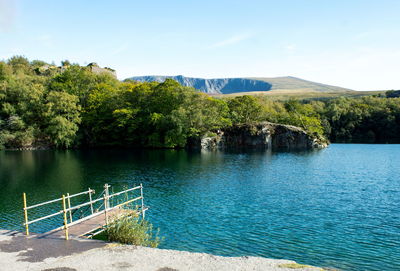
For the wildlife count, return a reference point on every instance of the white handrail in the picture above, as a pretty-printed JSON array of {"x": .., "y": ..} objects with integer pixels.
[
  {"x": 81, "y": 193},
  {"x": 65, "y": 210},
  {"x": 52, "y": 201},
  {"x": 44, "y": 217},
  {"x": 124, "y": 203},
  {"x": 43, "y": 203},
  {"x": 119, "y": 193},
  {"x": 99, "y": 199},
  {"x": 59, "y": 199},
  {"x": 83, "y": 205}
]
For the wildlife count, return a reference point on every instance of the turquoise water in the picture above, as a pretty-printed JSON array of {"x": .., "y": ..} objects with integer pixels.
[{"x": 339, "y": 207}]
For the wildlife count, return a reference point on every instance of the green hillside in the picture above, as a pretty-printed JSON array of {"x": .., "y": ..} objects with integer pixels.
[
  {"x": 290, "y": 83},
  {"x": 303, "y": 94}
]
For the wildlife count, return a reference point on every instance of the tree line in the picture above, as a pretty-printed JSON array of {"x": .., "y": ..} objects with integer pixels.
[{"x": 42, "y": 105}]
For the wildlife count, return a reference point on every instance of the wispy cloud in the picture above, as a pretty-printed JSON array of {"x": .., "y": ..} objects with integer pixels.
[
  {"x": 362, "y": 35},
  {"x": 290, "y": 47},
  {"x": 122, "y": 48},
  {"x": 232, "y": 40}
]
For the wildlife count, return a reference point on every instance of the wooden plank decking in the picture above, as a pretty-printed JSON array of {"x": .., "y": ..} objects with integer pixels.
[{"x": 88, "y": 225}]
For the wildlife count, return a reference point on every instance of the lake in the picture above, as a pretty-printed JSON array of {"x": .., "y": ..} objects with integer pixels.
[{"x": 338, "y": 207}]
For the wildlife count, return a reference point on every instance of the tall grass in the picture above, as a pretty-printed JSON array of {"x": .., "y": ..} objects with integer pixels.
[{"x": 134, "y": 231}]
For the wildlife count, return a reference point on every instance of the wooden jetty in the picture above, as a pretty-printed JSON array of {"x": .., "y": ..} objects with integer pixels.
[{"x": 101, "y": 212}]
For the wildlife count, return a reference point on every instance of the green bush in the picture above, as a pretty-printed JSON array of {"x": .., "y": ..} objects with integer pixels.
[
  {"x": 210, "y": 134},
  {"x": 133, "y": 231}
]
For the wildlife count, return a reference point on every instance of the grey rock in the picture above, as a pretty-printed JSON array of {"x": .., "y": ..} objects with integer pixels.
[
  {"x": 95, "y": 68},
  {"x": 263, "y": 135},
  {"x": 212, "y": 86}
]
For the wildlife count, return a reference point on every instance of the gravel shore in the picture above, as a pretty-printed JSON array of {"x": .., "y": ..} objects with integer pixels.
[{"x": 20, "y": 253}]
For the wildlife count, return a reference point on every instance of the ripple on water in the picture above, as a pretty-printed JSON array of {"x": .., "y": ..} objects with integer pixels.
[{"x": 338, "y": 207}]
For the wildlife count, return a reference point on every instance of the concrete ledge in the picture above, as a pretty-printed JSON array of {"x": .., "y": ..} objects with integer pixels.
[{"x": 17, "y": 252}]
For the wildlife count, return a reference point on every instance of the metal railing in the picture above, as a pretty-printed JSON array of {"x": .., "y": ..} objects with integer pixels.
[
  {"x": 68, "y": 210},
  {"x": 68, "y": 197}
]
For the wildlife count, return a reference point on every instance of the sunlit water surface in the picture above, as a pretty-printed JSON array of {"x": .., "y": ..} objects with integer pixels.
[{"x": 339, "y": 207}]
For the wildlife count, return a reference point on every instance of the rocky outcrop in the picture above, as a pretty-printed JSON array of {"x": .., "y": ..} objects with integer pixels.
[
  {"x": 263, "y": 135},
  {"x": 212, "y": 86},
  {"x": 95, "y": 68}
]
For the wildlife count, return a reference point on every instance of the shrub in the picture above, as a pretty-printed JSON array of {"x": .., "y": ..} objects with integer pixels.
[
  {"x": 210, "y": 134},
  {"x": 134, "y": 231}
]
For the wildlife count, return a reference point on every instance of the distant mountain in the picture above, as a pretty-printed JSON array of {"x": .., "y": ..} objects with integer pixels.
[
  {"x": 294, "y": 83},
  {"x": 235, "y": 85},
  {"x": 212, "y": 86}
]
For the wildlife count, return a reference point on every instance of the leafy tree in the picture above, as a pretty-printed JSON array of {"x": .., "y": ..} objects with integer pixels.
[
  {"x": 244, "y": 109},
  {"x": 19, "y": 65},
  {"x": 5, "y": 71},
  {"x": 303, "y": 115},
  {"x": 38, "y": 63},
  {"x": 62, "y": 118},
  {"x": 71, "y": 106},
  {"x": 65, "y": 63}
]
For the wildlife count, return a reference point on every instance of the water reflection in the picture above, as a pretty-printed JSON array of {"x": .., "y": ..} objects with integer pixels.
[{"x": 336, "y": 207}]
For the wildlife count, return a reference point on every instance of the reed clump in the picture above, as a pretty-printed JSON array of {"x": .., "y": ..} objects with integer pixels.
[{"x": 133, "y": 231}]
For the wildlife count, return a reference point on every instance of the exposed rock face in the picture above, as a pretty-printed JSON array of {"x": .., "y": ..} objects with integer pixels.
[
  {"x": 263, "y": 135},
  {"x": 98, "y": 70},
  {"x": 212, "y": 86}
]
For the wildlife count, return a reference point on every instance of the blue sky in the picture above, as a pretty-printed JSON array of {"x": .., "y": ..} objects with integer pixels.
[{"x": 354, "y": 44}]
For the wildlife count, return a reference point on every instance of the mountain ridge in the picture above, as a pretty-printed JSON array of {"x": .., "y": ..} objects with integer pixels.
[{"x": 244, "y": 84}]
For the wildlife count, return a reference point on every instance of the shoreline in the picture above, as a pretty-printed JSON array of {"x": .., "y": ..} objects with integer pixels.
[{"x": 18, "y": 252}]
